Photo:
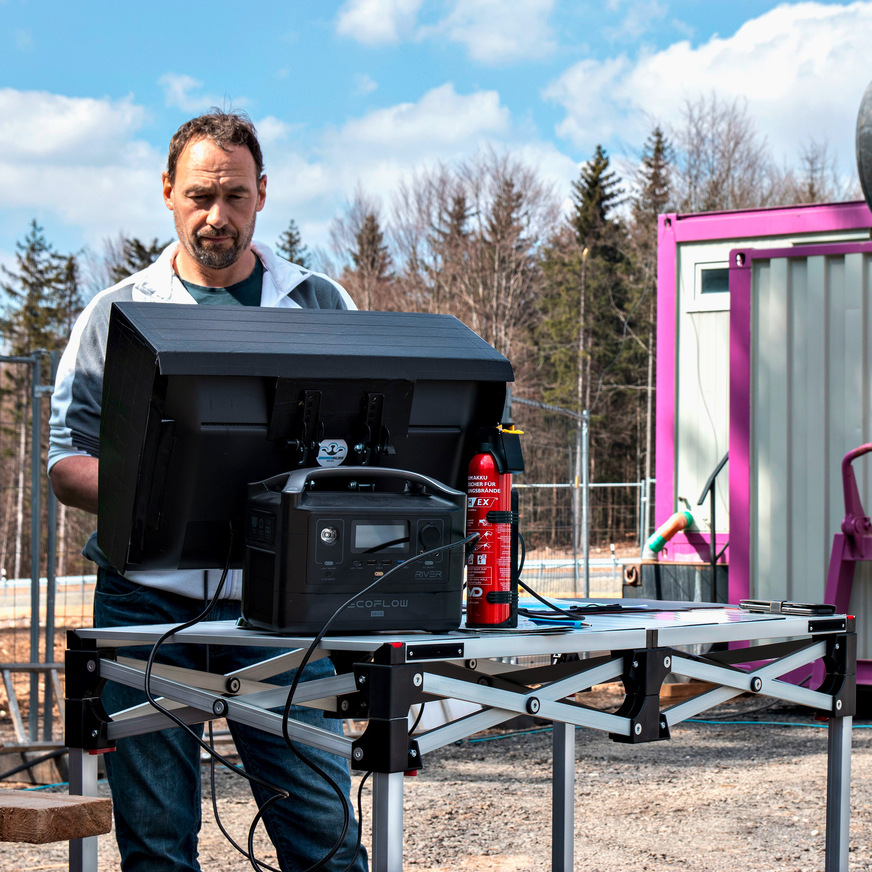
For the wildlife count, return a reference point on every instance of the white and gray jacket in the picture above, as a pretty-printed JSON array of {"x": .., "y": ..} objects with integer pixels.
[{"x": 75, "y": 406}]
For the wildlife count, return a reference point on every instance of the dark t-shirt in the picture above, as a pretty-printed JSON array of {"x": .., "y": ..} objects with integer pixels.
[{"x": 244, "y": 293}]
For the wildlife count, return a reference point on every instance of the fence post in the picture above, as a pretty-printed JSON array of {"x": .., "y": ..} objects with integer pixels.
[
  {"x": 35, "y": 518},
  {"x": 576, "y": 510},
  {"x": 643, "y": 504},
  {"x": 50, "y": 571}
]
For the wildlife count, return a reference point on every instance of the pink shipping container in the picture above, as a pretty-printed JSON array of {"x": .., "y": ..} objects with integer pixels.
[{"x": 764, "y": 350}]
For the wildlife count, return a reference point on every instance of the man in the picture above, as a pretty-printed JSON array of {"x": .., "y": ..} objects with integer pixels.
[{"x": 214, "y": 185}]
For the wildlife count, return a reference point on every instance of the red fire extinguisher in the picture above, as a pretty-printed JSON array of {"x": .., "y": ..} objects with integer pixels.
[{"x": 490, "y": 565}]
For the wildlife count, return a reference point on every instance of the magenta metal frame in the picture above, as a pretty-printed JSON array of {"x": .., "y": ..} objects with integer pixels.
[
  {"x": 852, "y": 544},
  {"x": 741, "y": 272},
  {"x": 674, "y": 229}
]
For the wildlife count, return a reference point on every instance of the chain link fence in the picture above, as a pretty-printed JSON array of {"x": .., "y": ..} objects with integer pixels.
[{"x": 548, "y": 513}]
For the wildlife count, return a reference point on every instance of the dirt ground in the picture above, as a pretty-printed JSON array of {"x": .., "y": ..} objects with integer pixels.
[{"x": 745, "y": 790}]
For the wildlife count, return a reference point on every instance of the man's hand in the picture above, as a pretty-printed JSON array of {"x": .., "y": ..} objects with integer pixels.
[{"x": 74, "y": 481}]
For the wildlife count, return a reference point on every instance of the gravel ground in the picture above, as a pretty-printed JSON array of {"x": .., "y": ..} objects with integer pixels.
[{"x": 717, "y": 797}]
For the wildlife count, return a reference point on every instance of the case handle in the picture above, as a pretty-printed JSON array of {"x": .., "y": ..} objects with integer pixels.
[{"x": 299, "y": 477}]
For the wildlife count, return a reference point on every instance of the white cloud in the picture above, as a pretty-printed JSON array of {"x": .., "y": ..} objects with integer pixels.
[
  {"x": 77, "y": 161},
  {"x": 552, "y": 165},
  {"x": 638, "y": 16},
  {"x": 441, "y": 117},
  {"x": 81, "y": 166},
  {"x": 100, "y": 200},
  {"x": 271, "y": 131},
  {"x": 379, "y": 149},
  {"x": 492, "y": 31},
  {"x": 182, "y": 92},
  {"x": 39, "y": 126},
  {"x": 177, "y": 90},
  {"x": 386, "y": 146},
  {"x": 377, "y": 22},
  {"x": 801, "y": 67},
  {"x": 499, "y": 31}
]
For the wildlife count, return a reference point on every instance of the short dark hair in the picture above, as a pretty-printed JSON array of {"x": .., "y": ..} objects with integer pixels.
[{"x": 225, "y": 129}]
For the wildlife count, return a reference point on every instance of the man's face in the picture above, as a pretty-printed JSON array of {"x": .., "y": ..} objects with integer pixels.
[{"x": 215, "y": 199}]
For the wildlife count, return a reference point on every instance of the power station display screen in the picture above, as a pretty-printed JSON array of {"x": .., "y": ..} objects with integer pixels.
[{"x": 385, "y": 536}]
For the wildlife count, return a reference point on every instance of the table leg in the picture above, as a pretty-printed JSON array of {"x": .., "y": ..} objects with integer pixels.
[
  {"x": 563, "y": 799},
  {"x": 387, "y": 822},
  {"x": 83, "y": 782},
  {"x": 838, "y": 793}
]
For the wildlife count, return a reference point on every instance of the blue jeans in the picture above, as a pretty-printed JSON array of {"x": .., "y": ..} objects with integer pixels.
[{"x": 155, "y": 778}]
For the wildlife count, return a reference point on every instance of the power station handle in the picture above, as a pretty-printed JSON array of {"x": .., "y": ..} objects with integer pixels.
[{"x": 299, "y": 477}]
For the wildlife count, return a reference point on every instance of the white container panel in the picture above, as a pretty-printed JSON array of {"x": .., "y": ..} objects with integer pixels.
[
  {"x": 810, "y": 395},
  {"x": 703, "y": 382}
]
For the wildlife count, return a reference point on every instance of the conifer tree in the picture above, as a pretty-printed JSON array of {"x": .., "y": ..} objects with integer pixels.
[
  {"x": 508, "y": 269},
  {"x": 586, "y": 306},
  {"x": 595, "y": 195},
  {"x": 133, "y": 256},
  {"x": 448, "y": 268},
  {"x": 372, "y": 261},
  {"x": 654, "y": 196},
  {"x": 69, "y": 296},
  {"x": 586, "y": 287},
  {"x": 467, "y": 239},
  {"x": 653, "y": 181},
  {"x": 41, "y": 295},
  {"x": 41, "y": 299},
  {"x": 290, "y": 246},
  {"x": 371, "y": 257}
]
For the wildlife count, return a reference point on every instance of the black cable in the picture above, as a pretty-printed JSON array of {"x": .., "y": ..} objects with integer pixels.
[
  {"x": 359, "y": 820},
  {"x": 217, "y": 816},
  {"x": 346, "y": 812},
  {"x": 256, "y": 864},
  {"x": 323, "y": 631},
  {"x": 212, "y": 791},
  {"x": 573, "y": 612},
  {"x": 417, "y": 719},
  {"x": 29, "y": 764},
  {"x": 278, "y": 792},
  {"x": 178, "y": 721},
  {"x": 522, "y": 559},
  {"x": 299, "y": 671},
  {"x": 383, "y": 546}
]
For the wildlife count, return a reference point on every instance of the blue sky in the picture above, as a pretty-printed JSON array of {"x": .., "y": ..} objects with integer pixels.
[{"x": 367, "y": 92}]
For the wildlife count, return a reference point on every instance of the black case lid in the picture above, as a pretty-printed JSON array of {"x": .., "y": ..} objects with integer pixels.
[{"x": 326, "y": 342}]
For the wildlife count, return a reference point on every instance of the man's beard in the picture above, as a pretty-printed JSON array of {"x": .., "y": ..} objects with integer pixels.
[{"x": 218, "y": 258}]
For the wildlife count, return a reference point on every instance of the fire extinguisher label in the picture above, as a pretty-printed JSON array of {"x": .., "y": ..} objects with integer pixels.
[
  {"x": 489, "y": 565},
  {"x": 479, "y": 576}
]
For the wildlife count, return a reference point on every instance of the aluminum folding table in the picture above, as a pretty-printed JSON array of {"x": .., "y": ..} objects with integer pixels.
[{"x": 380, "y": 676}]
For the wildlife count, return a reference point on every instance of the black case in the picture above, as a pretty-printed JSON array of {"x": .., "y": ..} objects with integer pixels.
[{"x": 198, "y": 402}]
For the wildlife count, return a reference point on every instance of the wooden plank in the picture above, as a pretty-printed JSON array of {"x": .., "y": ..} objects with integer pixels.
[
  {"x": 681, "y": 690},
  {"x": 38, "y": 818},
  {"x": 26, "y": 747}
]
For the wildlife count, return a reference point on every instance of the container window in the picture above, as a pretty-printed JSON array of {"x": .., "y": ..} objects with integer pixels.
[{"x": 715, "y": 280}]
